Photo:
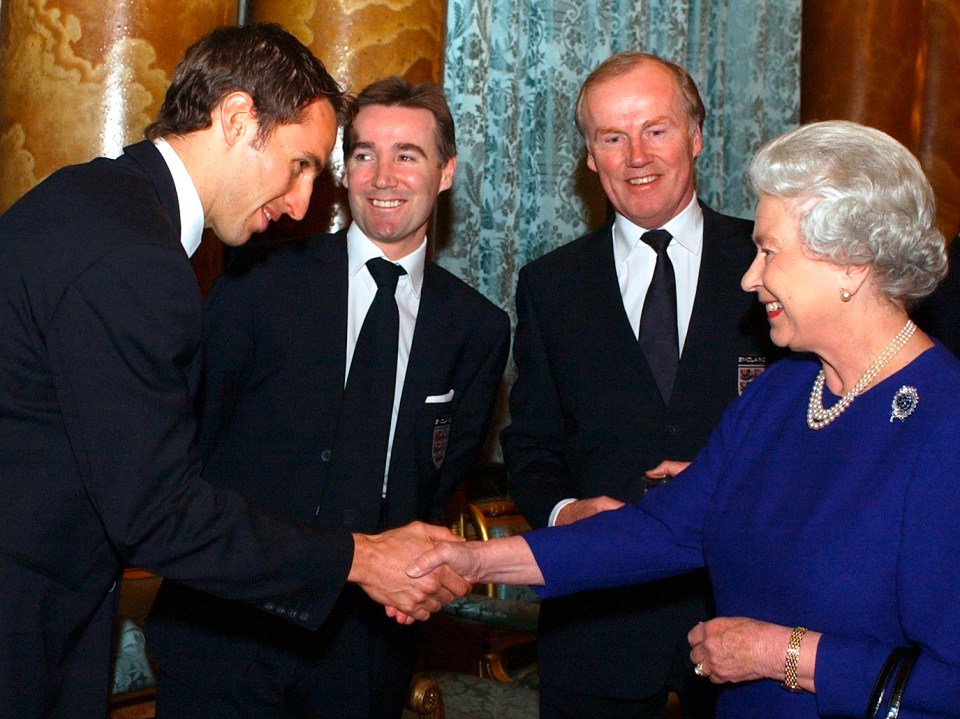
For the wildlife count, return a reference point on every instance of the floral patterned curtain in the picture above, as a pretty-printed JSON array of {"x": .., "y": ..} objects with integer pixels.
[{"x": 512, "y": 74}]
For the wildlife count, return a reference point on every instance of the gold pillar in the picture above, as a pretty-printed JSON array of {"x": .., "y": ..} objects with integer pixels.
[
  {"x": 938, "y": 144},
  {"x": 359, "y": 41},
  {"x": 891, "y": 64},
  {"x": 82, "y": 78}
]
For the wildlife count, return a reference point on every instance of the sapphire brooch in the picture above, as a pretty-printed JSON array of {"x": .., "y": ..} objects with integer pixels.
[{"x": 904, "y": 402}]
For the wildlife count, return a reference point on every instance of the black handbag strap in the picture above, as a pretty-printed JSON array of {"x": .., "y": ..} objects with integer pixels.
[
  {"x": 900, "y": 663},
  {"x": 900, "y": 683}
]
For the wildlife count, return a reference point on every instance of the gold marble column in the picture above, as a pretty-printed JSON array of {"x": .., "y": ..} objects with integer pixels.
[
  {"x": 891, "y": 64},
  {"x": 938, "y": 144},
  {"x": 359, "y": 41},
  {"x": 82, "y": 78}
]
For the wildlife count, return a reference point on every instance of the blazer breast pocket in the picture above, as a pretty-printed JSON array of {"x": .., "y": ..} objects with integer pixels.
[{"x": 439, "y": 398}]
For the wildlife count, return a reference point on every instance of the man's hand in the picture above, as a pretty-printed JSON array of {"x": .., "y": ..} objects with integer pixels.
[
  {"x": 583, "y": 508},
  {"x": 667, "y": 468},
  {"x": 379, "y": 568}
]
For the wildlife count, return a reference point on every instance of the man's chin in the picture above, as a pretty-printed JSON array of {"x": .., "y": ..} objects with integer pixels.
[{"x": 237, "y": 240}]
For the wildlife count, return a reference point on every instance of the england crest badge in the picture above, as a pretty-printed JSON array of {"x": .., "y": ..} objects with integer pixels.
[
  {"x": 441, "y": 436},
  {"x": 748, "y": 369}
]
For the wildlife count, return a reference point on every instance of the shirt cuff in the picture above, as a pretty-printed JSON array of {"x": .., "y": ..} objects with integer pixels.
[{"x": 552, "y": 522}]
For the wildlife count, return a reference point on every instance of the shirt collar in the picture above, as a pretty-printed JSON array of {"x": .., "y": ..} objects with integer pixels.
[
  {"x": 360, "y": 249},
  {"x": 191, "y": 209},
  {"x": 686, "y": 228}
]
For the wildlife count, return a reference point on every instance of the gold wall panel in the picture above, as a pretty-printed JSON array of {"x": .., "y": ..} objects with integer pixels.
[
  {"x": 891, "y": 64},
  {"x": 358, "y": 41},
  {"x": 364, "y": 40},
  {"x": 938, "y": 145},
  {"x": 81, "y": 78}
]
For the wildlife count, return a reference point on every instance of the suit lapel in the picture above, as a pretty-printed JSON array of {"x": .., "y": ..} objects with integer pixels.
[
  {"x": 603, "y": 301},
  {"x": 713, "y": 290},
  {"x": 597, "y": 272},
  {"x": 427, "y": 352}
]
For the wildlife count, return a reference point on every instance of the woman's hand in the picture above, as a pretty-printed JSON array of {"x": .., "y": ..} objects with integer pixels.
[{"x": 738, "y": 649}]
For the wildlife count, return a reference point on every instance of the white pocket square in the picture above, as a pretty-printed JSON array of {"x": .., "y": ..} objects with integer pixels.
[{"x": 439, "y": 398}]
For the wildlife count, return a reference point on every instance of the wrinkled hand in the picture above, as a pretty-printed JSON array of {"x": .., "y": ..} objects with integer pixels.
[
  {"x": 737, "y": 649},
  {"x": 667, "y": 468},
  {"x": 460, "y": 558},
  {"x": 379, "y": 567},
  {"x": 583, "y": 508},
  {"x": 505, "y": 560}
]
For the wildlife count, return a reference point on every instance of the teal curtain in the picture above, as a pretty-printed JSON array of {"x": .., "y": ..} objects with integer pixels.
[{"x": 512, "y": 72}]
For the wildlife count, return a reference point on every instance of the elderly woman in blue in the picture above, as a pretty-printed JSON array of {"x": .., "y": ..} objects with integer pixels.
[{"x": 825, "y": 504}]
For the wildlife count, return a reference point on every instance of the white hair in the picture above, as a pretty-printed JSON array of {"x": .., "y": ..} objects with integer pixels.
[{"x": 873, "y": 204}]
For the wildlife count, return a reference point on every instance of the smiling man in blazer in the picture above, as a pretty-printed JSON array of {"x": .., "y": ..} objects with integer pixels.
[
  {"x": 278, "y": 425},
  {"x": 593, "y": 422}
]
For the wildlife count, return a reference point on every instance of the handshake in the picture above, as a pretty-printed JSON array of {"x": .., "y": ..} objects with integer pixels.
[
  {"x": 381, "y": 562},
  {"x": 415, "y": 569}
]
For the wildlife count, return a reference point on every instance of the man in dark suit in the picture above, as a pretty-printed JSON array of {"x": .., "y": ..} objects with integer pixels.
[
  {"x": 101, "y": 320},
  {"x": 598, "y": 416},
  {"x": 939, "y": 313},
  {"x": 281, "y": 337}
]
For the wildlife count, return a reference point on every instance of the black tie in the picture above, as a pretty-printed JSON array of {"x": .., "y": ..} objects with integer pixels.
[
  {"x": 659, "y": 339},
  {"x": 364, "y": 427}
]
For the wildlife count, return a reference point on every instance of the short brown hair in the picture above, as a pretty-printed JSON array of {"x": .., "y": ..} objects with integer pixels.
[
  {"x": 397, "y": 92},
  {"x": 624, "y": 62},
  {"x": 278, "y": 71}
]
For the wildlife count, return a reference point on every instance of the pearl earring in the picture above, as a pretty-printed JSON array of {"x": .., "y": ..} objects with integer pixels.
[{"x": 845, "y": 295}]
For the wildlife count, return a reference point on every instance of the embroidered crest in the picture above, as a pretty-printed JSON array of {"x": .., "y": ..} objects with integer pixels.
[
  {"x": 441, "y": 436},
  {"x": 749, "y": 367},
  {"x": 905, "y": 401}
]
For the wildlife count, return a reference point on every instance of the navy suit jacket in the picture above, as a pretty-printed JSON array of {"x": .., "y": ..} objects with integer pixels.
[
  {"x": 274, "y": 363},
  {"x": 102, "y": 320},
  {"x": 275, "y": 353},
  {"x": 587, "y": 420},
  {"x": 99, "y": 467},
  {"x": 937, "y": 313}
]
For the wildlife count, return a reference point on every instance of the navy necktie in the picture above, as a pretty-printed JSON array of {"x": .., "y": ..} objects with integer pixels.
[
  {"x": 659, "y": 338},
  {"x": 363, "y": 431}
]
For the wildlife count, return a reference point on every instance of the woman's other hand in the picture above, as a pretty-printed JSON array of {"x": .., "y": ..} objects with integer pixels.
[{"x": 738, "y": 649}]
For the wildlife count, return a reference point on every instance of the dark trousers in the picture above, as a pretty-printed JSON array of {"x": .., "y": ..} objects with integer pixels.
[
  {"x": 559, "y": 704},
  {"x": 254, "y": 665},
  {"x": 54, "y": 647},
  {"x": 697, "y": 700}
]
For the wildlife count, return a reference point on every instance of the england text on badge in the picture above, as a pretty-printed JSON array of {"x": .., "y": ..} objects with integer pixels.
[{"x": 749, "y": 368}]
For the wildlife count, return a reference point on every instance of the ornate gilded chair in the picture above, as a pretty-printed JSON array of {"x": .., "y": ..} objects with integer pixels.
[
  {"x": 494, "y": 627},
  {"x": 133, "y": 690}
]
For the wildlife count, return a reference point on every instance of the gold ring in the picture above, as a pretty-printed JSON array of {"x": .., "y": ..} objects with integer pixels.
[{"x": 698, "y": 670}]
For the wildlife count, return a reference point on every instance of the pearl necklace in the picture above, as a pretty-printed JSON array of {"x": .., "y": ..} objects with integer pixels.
[{"x": 818, "y": 417}]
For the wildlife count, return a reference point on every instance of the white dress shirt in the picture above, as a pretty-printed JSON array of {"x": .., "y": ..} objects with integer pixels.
[
  {"x": 362, "y": 290},
  {"x": 191, "y": 209},
  {"x": 635, "y": 261}
]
